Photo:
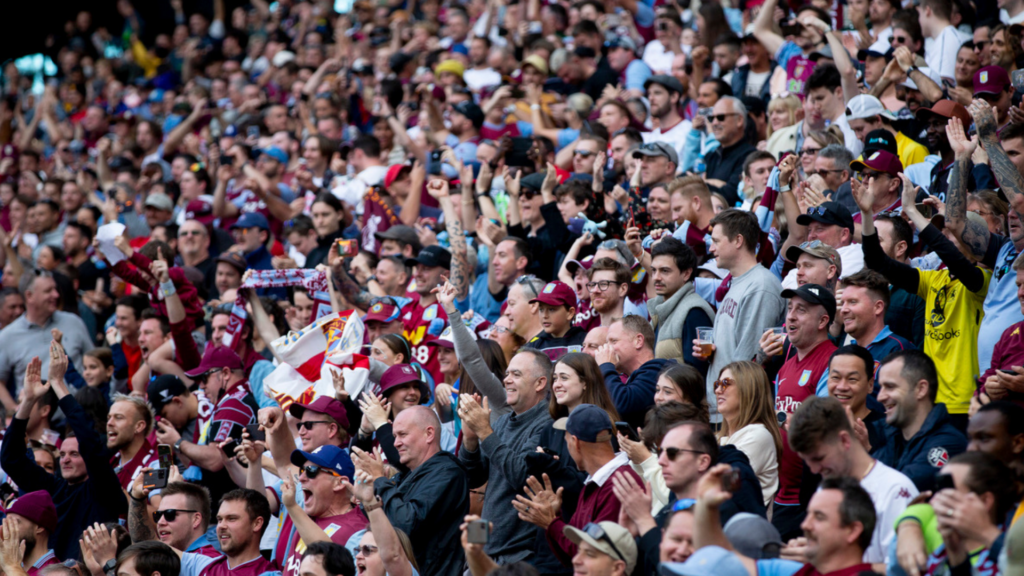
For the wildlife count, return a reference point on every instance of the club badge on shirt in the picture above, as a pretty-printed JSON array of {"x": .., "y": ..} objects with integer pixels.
[{"x": 805, "y": 378}]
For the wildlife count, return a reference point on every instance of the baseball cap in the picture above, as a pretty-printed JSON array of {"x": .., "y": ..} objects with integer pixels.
[
  {"x": 927, "y": 72},
  {"x": 160, "y": 201},
  {"x": 880, "y": 160},
  {"x": 828, "y": 213},
  {"x": 945, "y": 109},
  {"x": 382, "y": 310},
  {"x": 880, "y": 49},
  {"x": 572, "y": 265},
  {"x": 815, "y": 248},
  {"x": 470, "y": 110},
  {"x": 670, "y": 83},
  {"x": 431, "y": 256},
  {"x": 814, "y": 294},
  {"x": 230, "y": 131},
  {"x": 866, "y": 106},
  {"x": 991, "y": 80},
  {"x": 557, "y": 294},
  {"x": 252, "y": 220},
  {"x": 200, "y": 210},
  {"x": 402, "y": 233},
  {"x": 323, "y": 405},
  {"x": 163, "y": 389},
  {"x": 621, "y": 42},
  {"x": 532, "y": 181},
  {"x": 587, "y": 422},
  {"x": 712, "y": 266},
  {"x": 216, "y": 358},
  {"x": 399, "y": 374},
  {"x": 235, "y": 259},
  {"x": 36, "y": 507},
  {"x": 328, "y": 457},
  {"x": 451, "y": 66},
  {"x": 880, "y": 139},
  {"x": 537, "y": 62},
  {"x": 707, "y": 560},
  {"x": 753, "y": 536},
  {"x": 652, "y": 149},
  {"x": 275, "y": 153},
  {"x": 446, "y": 340},
  {"x": 393, "y": 172},
  {"x": 608, "y": 537}
]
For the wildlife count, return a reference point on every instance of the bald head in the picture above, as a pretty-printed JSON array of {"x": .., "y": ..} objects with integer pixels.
[{"x": 417, "y": 435}]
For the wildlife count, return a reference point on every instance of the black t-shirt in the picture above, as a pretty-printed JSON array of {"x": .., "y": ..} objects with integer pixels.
[
  {"x": 88, "y": 273},
  {"x": 603, "y": 76}
]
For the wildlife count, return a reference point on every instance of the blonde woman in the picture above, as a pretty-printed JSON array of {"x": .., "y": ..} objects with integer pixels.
[
  {"x": 782, "y": 112},
  {"x": 744, "y": 397}
]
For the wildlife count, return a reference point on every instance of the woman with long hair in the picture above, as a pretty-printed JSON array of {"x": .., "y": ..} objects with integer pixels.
[
  {"x": 457, "y": 380},
  {"x": 577, "y": 380},
  {"x": 681, "y": 383},
  {"x": 749, "y": 422},
  {"x": 712, "y": 24},
  {"x": 815, "y": 141},
  {"x": 783, "y": 111}
]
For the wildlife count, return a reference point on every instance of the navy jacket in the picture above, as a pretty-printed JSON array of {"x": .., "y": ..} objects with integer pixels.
[
  {"x": 636, "y": 396},
  {"x": 97, "y": 499},
  {"x": 921, "y": 457}
]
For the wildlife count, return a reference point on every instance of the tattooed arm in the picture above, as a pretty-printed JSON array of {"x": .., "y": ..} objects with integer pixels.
[
  {"x": 975, "y": 236},
  {"x": 347, "y": 288},
  {"x": 453, "y": 223},
  {"x": 1010, "y": 180}
]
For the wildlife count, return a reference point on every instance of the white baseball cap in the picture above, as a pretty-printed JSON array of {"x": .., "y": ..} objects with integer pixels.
[{"x": 866, "y": 106}]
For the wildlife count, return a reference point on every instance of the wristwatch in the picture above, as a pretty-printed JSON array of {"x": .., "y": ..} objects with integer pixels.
[
  {"x": 108, "y": 568},
  {"x": 177, "y": 445},
  {"x": 371, "y": 506},
  {"x": 372, "y": 278}
]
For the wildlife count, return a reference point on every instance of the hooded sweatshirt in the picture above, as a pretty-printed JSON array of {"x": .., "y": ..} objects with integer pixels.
[{"x": 633, "y": 398}]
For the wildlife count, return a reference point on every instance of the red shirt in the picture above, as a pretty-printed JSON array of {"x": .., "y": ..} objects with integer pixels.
[
  {"x": 45, "y": 560},
  {"x": 422, "y": 324},
  {"x": 796, "y": 382},
  {"x": 132, "y": 355},
  {"x": 291, "y": 548},
  {"x": 144, "y": 458},
  {"x": 1008, "y": 352},
  {"x": 809, "y": 570},
  {"x": 586, "y": 317}
]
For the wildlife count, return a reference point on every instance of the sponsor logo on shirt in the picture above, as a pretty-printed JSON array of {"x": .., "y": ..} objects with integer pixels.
[{"x": 938, "y": 456}]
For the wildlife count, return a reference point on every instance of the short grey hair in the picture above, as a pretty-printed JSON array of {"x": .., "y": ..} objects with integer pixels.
[
  {"x": 28, "y": 279},
  {"x": 625, "y": 256},
  {"x": 542, "y": 364},
  {"x": 737, "y": 105},
  {"x": 838, "y": 153}
]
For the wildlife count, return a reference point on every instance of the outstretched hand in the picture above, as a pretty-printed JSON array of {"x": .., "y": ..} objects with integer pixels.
[{"x": 963, "y": 146}]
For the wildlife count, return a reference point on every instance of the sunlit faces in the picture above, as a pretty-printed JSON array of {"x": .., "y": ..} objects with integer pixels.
[
  {"x": 556, "y": 320},
  {"x": 677, "y": 542},
  {"x": 235, "y": 529},
  {"x": 848, "y": 382}
]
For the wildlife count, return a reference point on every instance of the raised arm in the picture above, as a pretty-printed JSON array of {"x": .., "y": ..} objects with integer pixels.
[
  {"x": 764, "y": 30},
  {"x": 460, "y": 271},
  {"x": 975, "y": 236},
  {"x": 842, "y": 57},
  {"x": 1010, "y": 180}
]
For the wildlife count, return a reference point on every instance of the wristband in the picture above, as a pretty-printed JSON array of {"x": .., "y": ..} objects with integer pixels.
[
  {"x": 132, "y": 496},
  {"x": 371, "y": 506},
  {"x": 534, "y": 106},
  {"x": 167, "y": 288},
  {"x": 785, "y": 188}
]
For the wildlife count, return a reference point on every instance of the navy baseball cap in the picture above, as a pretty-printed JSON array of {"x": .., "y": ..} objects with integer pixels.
[
  {"x": 163, "y": 390},
  {"x": 828, "y": 213},
  {"x": 431, "y": 256},
  {"x": 329, "y": 457},
  {"x": 587, "y": 422},
  {"x": 252, "y": 220}
]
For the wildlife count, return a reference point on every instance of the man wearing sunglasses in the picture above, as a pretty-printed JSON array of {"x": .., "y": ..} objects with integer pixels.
[
  {"x": 326, "y": 475},
  {"x": 725, "y": 163},
  {"x": 181, "y": 520}
]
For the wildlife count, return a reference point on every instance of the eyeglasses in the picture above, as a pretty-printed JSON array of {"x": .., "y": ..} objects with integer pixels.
[
  {"x": 602, "y": 285},
  {"x": 864, "y": 175},
  {"x": 584, "y": 153},
  {"x": 597, "y": 533},
  {"x": 822, "y": 172},
  {"x": 501, "y": 329},
  {"x": 312, "y": 471},
  {"x": 308, "y": 425},
  {"x": 187, "y": 233},
  {"x": 721, "y": 117},
  {"x": 366, "y": 549},
  {"x": 724, "y": 383},
  {"x": 673, "y": 453},
  {"x": 170, "y": 514},
  {"x": 683, "y": 504},
  {"x": 809, "y": 151},
  {"x": 527, "y": 280}
]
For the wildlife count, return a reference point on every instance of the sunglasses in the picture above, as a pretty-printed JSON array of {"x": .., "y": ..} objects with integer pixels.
[
  {"x": 724, "y": 383},
  {"x": 527, "y": 281},
  {"x": 366, "y": 549},
  {"x": 529, "y": 194},
  {"x": 809, "y": 151},
  {"x": 683, "y": 504},
  {"x": 721, "y": 117},
  {"x": 597, "y": 533},
  {"x": 312, "y": 471},
  {"x": 308, "y": 425},
  {"x": 864, "y": 175},
  {"x": 170, "y": 514},
  {"x": 584, "y": 153},
  {"x": 187, "y": 233},
  {"x": 980, "y": 46},
  {"x": 673, "y": 453},
  {"x": 819, "y": 210}
]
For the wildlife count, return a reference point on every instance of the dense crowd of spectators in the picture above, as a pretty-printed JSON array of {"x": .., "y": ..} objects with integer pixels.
[{"x": 604, "y": 288}]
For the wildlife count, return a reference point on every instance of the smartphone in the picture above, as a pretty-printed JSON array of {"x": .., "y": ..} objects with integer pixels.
[
  {"x": 434, "y": 162},
  {"x": 549, "y": 451},
  {"x": 229, "y": 448},
  {"x": 347, "y": 247},
  {"x": 943, "y": 481},
  {"x": 155, "y": 479},
  {"x": 731, "y": 480},
  {"x": 1017, "y": 79},
  {"x": 925, "y": 210},
  {"x": 627, "y": 431},
  {"x": 165, "y": 453},
  {"x": 253, "y": 132},
  {"x": 794, "y": 29},
  {"x": 255, "y": 434},
  {"x": 478, "y": 532},
  {"x": 705, "y": 112},
  {"x": 226, "y": 160}
]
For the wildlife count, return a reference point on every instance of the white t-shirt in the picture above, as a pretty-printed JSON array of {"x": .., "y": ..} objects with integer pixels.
[
  {"x": 351, "y": 192},
  {"x": 852, "y": 258},
  {"x": 658, "y": 58},
  {"x": 1005, "y": 18},
  {"x": 757, "y": 443},
  {"x": 478, "y": 79},
  {"x": 676, "y": 136},
  {"x": 755, "y": 81},
  {"x": 891, "y": 492},
  {"x": 853, "y": 144},
  {"x": 941, "y": 55}
]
